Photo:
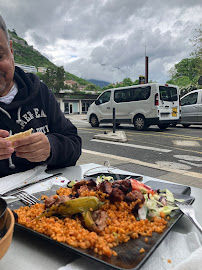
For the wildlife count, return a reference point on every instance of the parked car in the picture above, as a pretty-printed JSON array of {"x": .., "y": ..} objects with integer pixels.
[{"x": 191, "y": 108}]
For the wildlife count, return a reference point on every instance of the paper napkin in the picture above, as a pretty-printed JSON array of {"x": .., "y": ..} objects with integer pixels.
[
  {"x": 176, "y": 252},
  {"x": 30, "y": 176},
  {"x": 20, "y": 179}
]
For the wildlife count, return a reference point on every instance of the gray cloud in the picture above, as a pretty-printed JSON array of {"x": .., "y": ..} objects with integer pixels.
[{"x": 106, "y": 39}]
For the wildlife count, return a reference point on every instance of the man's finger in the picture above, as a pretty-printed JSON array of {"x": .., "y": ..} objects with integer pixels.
[
  {"x": 4, "y": 133},
  {"x": 4, "y": 143},
  {"x": 30, "y": 147},
  {"x": 6, "y": 151},
  {"x": 31, "y": 139},
  {"x": 5, "y": 156}
]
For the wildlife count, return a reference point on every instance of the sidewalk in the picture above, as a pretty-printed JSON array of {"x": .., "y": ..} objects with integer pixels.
[{"x": 76, "y": 116}]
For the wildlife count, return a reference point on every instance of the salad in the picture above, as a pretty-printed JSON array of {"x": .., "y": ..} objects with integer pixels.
[{"x": 156, "y": 201}]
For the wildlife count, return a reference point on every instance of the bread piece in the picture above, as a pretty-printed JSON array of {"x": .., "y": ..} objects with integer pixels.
[{"x": 18, "y": 136}]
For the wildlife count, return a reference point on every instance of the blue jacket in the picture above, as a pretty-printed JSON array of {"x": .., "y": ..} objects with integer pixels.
[{"x": 35, "y": 107}]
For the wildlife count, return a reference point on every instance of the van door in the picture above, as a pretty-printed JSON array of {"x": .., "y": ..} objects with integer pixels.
[
  {"x": 169, "y": 103},
  {"x": 189, "y": 109},
  {"x": 104, "y": 108}
]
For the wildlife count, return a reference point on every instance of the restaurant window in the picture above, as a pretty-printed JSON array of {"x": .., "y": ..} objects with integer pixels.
[{"x": 85, "y": 106}]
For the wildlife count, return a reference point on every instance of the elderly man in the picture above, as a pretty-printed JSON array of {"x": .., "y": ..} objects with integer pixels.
[{"x": 26, "y": 103}]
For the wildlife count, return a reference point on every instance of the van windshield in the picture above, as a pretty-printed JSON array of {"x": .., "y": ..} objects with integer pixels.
[{"x": 168, "y": 93}]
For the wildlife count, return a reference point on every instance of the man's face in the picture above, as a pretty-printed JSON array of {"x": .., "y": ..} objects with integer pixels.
[{"x": 7, "y": 66}]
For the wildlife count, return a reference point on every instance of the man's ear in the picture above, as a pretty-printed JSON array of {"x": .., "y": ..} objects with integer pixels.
[{"x": 11, "y": 46}]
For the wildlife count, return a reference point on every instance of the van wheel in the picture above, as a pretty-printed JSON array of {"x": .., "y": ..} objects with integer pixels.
[
  {"x": 94, "y": 121},
  {"x": 163, "y": 126},
  {"x": 140, "y": 123},
  {"x": 186, "y": 125}
]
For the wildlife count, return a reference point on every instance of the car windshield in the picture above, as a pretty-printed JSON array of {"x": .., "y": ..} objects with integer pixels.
[{"x": 168, "y": 93}]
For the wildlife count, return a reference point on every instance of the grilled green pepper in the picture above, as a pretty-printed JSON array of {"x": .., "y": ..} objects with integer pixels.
[
  {"x": 88, "y": 221},
  {"x": 74, "y": 206}
]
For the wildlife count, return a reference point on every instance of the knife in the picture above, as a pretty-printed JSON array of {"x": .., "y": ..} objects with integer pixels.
[{"x": 14, "y": 190}]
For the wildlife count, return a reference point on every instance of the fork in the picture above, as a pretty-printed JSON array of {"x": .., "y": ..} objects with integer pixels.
[
  {"x": 188, "y": 210},
  {"x": 26, "y": 198}
]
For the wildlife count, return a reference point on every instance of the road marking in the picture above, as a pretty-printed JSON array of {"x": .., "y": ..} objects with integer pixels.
[
  {"x": 142, "y": 163},
  {"x": 186, "y": 143},
  {"x": 190, "y": 163},
  {"x": 173, "y": 165},
  {"x": 134, "y": 145},
  {"x": 189, "y": 158}
]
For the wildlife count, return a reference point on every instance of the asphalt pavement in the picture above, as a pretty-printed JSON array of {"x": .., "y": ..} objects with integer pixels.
[{"x": 193, "y": 179}]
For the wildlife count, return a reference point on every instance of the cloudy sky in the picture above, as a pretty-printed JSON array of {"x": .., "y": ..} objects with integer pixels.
[{"x": 106, "y": 39}]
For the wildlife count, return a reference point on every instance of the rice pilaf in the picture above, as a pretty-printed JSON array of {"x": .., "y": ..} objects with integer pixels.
[{"x": 122, "y": 225}]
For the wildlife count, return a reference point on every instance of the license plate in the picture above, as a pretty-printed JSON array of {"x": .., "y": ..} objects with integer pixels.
[{"x": 174, "y": 112}]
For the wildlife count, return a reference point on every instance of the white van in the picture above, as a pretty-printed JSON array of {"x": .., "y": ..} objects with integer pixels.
[
  {"x": 142, "y": 105},
  {"x": 191, "y": 108}
]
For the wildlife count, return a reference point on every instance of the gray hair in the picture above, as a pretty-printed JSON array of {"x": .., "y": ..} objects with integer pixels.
[{"x": 4, "y": 28}]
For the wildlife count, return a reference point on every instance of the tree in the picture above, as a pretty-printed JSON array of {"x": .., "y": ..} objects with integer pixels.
[
  {"x": 136, "y": 82},
  {"x": 127, "y": 82},
  {"x": 197, "y": 43},
  {"x": 54, "y": 78},
  {"x": 181, "y": 81},
  {"x": 91, "y": 87},
  {"x": 185, "y": 72},
  {"x": 75, "y": 87},
  {"x": 59, "y": 80},
  {"x": 124, "y": 83},
  {"x": 14, "y": 32},
  {"x": 109, "y": 86}
]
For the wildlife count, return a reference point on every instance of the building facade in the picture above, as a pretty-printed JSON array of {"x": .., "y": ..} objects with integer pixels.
[
  {"x": 42, "y": 70},
  {"x": 26, "y": 68},
  {"x": 75, "y": 103}
]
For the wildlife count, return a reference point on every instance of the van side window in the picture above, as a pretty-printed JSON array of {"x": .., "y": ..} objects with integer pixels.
[
  {"x": 105, "y": 97},
  {"x": 132, "y": 94},
  {"x": 122, "y": 95},
  {"x": 190, "y": 99},
  {"x": 141, "y": 93}
]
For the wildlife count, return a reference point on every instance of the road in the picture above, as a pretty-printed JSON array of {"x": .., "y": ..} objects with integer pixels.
[{"x": 175, "y": 152}]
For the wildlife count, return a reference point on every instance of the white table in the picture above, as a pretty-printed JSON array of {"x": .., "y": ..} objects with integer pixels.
[{"x": 34, "y": 253}]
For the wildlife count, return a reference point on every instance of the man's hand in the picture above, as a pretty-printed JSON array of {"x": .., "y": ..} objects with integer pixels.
[
  {"x": 35, "y": 147},
  {"x": 5, "y": 146}
]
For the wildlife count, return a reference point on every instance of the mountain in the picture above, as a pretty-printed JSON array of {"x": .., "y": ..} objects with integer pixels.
[
  {"x": 101, "y": 84},
  {"x": 27, "y": 55}
]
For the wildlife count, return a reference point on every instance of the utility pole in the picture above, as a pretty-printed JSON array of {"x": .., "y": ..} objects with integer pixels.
[{"x": 146, "y": 66}]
